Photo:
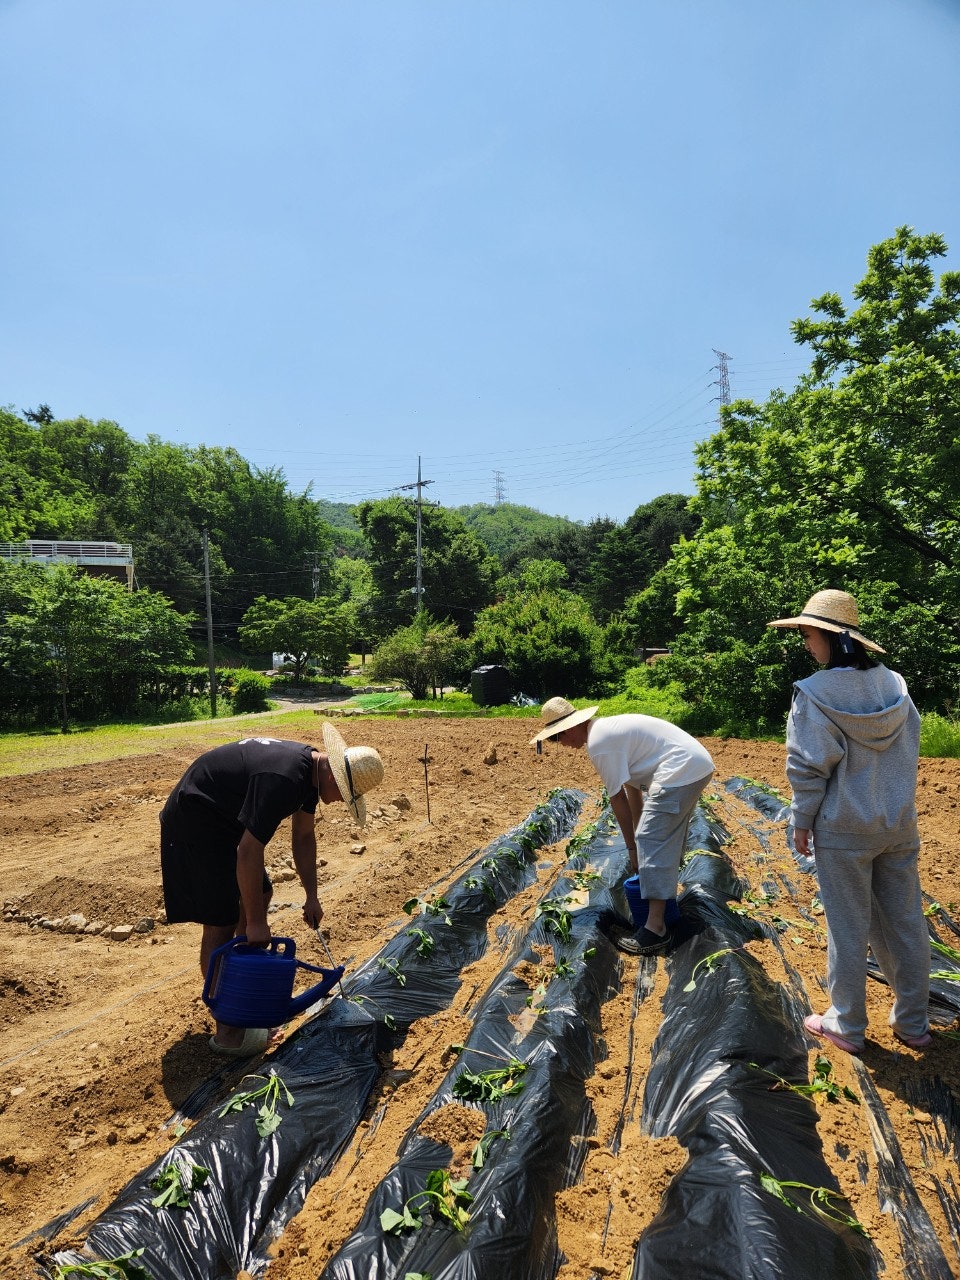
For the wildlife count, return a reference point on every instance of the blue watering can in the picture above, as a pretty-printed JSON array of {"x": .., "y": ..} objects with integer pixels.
[
  {"x": 253, "y": 986},
  {"x": 640, "y": 908}
]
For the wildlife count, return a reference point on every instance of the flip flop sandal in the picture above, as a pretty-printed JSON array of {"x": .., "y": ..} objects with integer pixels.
[
  {"x": 255, "y": 1040},
  {"x": 916, "y": 1042},
  {"x": 814, "y": 1024}
]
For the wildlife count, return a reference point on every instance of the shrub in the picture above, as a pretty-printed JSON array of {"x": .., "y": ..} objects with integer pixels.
[{"x": 249, "y": 692}]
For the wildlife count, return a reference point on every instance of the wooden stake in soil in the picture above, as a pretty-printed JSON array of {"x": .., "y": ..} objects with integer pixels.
[{"x": 425, "y": 760}]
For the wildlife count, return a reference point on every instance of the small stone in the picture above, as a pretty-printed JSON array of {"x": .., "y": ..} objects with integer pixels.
[
  {"x": 358, "y": 849},
  {"x": 491, "y": 754},
  {"x": 145, "y": 925},
  {"x": 400, "y": 802},
  {"x": 120, "y": 932},
  {"x": 95, "y": 926},
  {"x": 74, "y": 923}
]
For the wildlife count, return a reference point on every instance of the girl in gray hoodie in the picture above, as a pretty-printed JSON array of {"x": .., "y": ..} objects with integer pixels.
[{"x": 853, "y": 739}]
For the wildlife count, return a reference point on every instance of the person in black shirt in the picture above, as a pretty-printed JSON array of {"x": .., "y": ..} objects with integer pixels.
[{"x": 220, "y": 817}]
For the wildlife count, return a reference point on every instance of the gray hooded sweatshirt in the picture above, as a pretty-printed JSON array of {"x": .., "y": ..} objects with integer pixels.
[{"x": 853, "y": 741}]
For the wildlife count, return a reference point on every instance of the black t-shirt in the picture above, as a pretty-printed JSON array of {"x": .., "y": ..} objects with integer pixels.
[{"x": 251, "y": 785}]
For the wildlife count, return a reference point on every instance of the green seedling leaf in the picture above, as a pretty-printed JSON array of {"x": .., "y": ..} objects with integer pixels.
[
  {"x": 564, "y": 969},
  {"x": 123, "y": 1267},
  {"x": 268, "y": 1115},
  {"x": 425, "y": 942},
  {"x": 490, "y": 1086},
  {"x": 478, "y": 1157},
  {"x": 392, "y": 967},
  {"x": 821, "y": 1200},
  {"x": 708, "y": 964},
  {"x": 173, "y": 1191},
  {"x": 821, "y": 1086},
  {"x": 933, "y": 909},
  {"x": 418, "y": 1275},
  {"x": 444, "y": 1198},
  {"x": 942, "y": 949}
]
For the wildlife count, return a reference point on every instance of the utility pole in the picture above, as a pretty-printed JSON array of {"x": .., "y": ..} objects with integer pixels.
[
  {"x": 419, "y": 486},
  {"x": 499, "y": 493},
  {"x": 723, "y": 382},
  {"x": 212, "y": 664},
  {"x": 315, "y": 572}
]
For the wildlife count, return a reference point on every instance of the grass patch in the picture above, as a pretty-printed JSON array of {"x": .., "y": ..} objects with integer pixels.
[{"x": 939, "y": 736}]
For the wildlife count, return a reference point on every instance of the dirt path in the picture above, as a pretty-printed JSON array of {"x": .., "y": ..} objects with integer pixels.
[{"x": 105, "y": 1034}]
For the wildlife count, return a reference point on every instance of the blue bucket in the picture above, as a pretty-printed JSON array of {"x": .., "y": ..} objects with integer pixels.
[{"x": 639, "y": 907}]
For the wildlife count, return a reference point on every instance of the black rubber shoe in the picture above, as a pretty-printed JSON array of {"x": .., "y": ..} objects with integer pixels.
[{"x": 644, "y": 943}]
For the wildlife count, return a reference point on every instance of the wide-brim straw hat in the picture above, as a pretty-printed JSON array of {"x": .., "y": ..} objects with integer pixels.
[
  {"x": 559, "y": 715},
  {"x": 830, "y": 611},
  {"x": 356, "y": 770}
]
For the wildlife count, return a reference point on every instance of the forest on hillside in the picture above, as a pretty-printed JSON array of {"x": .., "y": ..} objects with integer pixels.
[{"x": 851, "y": 479}]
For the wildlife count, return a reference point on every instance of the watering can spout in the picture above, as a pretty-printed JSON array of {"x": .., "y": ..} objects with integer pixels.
[
  {"x": 302, "y": 1002},
  {"x": 253, "y": 986}
]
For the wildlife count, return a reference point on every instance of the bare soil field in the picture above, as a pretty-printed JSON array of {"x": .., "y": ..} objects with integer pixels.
[{"x": 105, "y": 1034}]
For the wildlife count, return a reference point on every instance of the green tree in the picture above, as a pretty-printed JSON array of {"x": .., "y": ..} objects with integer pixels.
[
  {"x": 458, "y": 572},
  {"x": 424, "y": 655},
  {"x": 546, "y": 637},
  {"x": 79, "y": 646},
  {"x": 301, "y": 628},
  {"x": 851, "y": 480}
]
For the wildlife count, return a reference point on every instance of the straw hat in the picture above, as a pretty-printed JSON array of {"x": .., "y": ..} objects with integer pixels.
[
  {"x": 355, "y": 770},
  {"x": 830, "y": 611},
  {"x": 559, "y": 715}
]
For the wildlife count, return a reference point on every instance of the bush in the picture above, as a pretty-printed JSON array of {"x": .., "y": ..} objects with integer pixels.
[{"x": 249, "y": 692}]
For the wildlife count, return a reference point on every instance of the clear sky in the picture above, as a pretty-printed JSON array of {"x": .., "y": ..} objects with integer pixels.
[{"x": 506, "y": 236}]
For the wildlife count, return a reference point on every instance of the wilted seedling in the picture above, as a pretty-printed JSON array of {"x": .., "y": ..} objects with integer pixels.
[
  {"x": 428, "y": 907},
  {"x": 388, "y": 1019},
  {"x": 708, "y": 963},
  {"x": 490, "y": 1085},
  {"x": 425, "y": 943},
  {"x": 174, "y": 1188},
  {"x": 123, "y": 1267},
  {"x": 268, "y": 1116},
  {"x": 820, "y": 1086},
  {"x": 483, "y": 884},
  {"x": 392, "y": 967},
  {"x": 445, "y": 1198},
  {"x": 933, "y": 909},
  {"x": 564, "y": 969},
  {"x": 478, "y": 1157},
  {"x": 821, "y": 1202}
]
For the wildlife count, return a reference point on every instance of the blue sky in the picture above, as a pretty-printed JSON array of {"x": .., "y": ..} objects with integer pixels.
[{"x": 505, "y": 236}]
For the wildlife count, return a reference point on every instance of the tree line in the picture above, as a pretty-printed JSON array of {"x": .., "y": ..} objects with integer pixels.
[{"x": 850, "y": 479}]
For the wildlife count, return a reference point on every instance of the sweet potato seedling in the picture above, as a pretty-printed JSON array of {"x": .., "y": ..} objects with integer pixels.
[
  {"x": 821, "y": 1086},
  {"x": 268, "y": 1115},
  {"x": 174, "y": 1186},
  {"x": 124, "y": 1267},
  {"x": 821, "y": 1200},
  {"x": 445, "y": 1198}
]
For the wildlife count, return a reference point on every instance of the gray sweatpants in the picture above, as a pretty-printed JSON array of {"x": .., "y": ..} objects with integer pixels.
[{"x": 871, "y": 896}]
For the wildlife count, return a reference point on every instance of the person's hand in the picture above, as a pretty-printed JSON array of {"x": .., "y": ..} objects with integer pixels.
[
  {"x": 632, "y": 855},
  {"x": 312, "y": 912},
  {"x": 801, "y": 842},
  {"x": 258, "y": 935}
]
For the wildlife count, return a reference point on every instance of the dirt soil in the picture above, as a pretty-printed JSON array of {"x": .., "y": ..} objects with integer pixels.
[{"x": 105, "y": 1034}]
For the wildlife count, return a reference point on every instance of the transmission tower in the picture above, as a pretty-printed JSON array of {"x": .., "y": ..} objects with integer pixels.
[
  {"x": 723, "y": 382},
  {"x": 419, "y": 486},
  {"x": 499, "y": 488}
]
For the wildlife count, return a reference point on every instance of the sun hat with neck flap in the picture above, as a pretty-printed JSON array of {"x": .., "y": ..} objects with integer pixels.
[
  {"x": 830, "y": 611},
  {"x": 355, "y": 770},
  {"x": 560, "y": 714}
]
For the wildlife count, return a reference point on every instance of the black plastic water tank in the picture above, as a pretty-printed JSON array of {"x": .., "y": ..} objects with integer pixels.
[{"x": 491, "y": 686}]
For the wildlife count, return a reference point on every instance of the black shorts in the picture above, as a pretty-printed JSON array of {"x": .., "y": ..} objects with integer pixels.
[{"x": 200, "y": 877}]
